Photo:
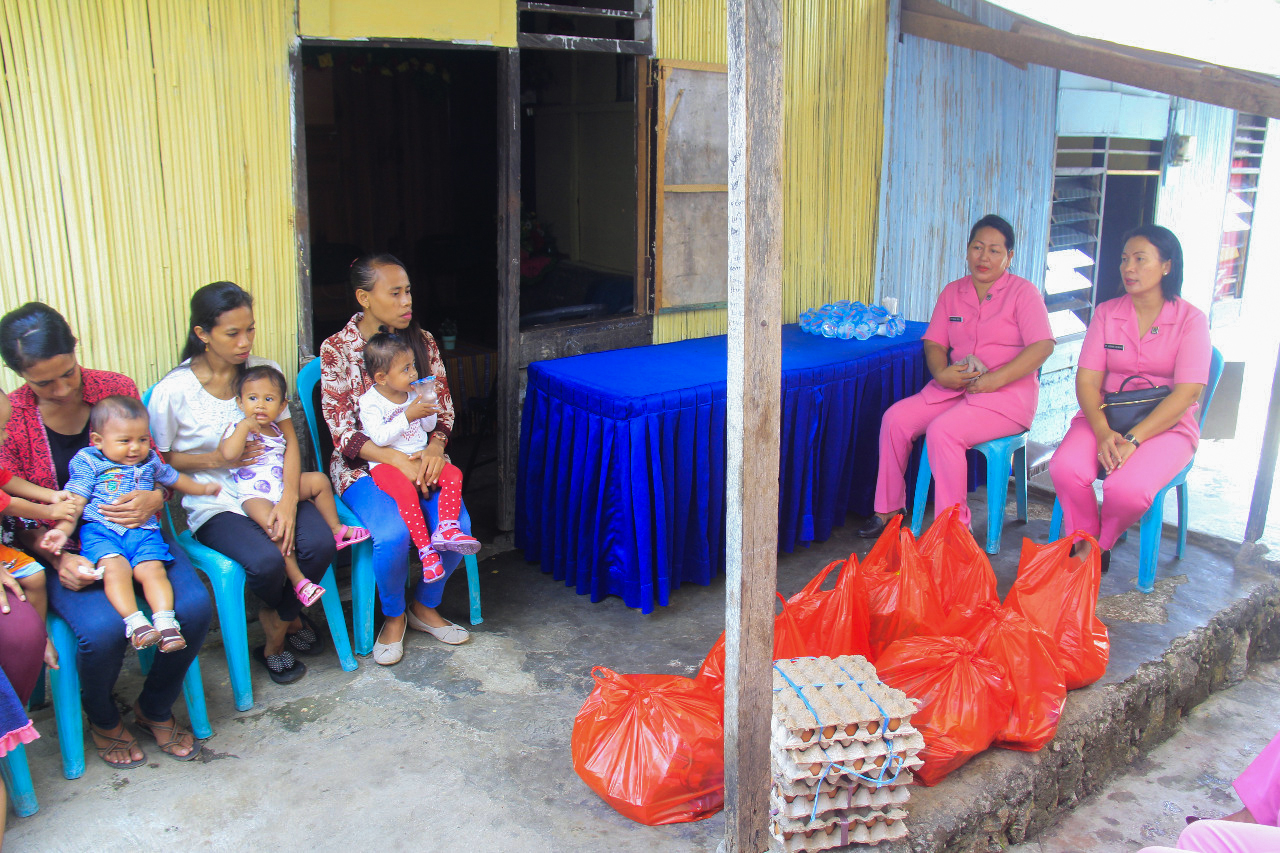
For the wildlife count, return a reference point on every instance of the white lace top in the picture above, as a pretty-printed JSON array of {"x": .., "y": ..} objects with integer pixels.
[{"x": 188, "y": 419}]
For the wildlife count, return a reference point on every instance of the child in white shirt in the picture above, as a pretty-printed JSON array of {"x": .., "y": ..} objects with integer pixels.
[{"x": 384, "y": 418}]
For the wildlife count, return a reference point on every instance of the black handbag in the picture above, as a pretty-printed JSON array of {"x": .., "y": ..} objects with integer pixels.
[{"x": 1124, "y": 410}]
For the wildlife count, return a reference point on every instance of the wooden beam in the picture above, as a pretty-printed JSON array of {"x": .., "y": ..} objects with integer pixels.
[
  {"x": 583, "y": 11},
  {"x": 302, "y": 209},
  {"x": 756, "y": 65},
  {"x": 1159, "y": 72},
  {"x": 541, "y": 41},
  {"x": 508, "y": 283}
]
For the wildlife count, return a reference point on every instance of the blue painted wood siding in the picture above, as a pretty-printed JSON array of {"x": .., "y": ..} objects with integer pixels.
[{"x": 965, "y": 134}]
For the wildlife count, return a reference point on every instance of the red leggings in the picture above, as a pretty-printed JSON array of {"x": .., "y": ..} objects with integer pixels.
[{"x": 392, "y": 481}]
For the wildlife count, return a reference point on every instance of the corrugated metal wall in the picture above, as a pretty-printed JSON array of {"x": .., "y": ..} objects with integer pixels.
[
  {"x": 966, "y": 134},
  {"x": 148, "y": 150},
  {"x": 1193, "y": 197},
  {"x": 834, "y": 97}
]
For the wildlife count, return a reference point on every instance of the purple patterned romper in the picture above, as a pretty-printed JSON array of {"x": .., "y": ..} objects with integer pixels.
[{"x": 264, "y": 478}]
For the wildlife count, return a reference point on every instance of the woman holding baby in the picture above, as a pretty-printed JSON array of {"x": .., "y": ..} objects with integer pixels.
[{"x": 987, "y": 338}]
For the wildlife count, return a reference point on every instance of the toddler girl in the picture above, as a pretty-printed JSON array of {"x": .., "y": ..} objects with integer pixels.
[
  {"x": 262, "y": 395},
  {"x": 384, "y": 418}
]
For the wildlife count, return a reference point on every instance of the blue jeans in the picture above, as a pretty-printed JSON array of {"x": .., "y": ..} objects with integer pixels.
[
  {"x": 102, "y": 641},
  {"x": 378, "y": 514},
  {"x": 240, "y": 538}
]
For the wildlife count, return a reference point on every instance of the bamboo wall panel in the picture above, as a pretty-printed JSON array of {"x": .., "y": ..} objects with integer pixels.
[
  {"x": 835, "y": 69},
  {"x": 966, "y": 134},
  {"x": 148, "y": 150}
]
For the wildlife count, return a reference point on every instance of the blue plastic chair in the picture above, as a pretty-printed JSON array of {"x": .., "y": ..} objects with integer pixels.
[
  {"x": 227, "y": 578},
  {"x": 17, "y": 778},
  {"x": 1000, "y": 454},
  {"x": 1152, "y": 525},
  {"x": 67, "y": 712},
  {"x": 364, "y": 589}
]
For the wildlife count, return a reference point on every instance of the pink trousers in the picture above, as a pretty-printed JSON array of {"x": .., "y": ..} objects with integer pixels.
[
  {"x": 950, "y": 428},
  {"x": 1126, "y": 493},
  {"x": 1259, "y": 785},
  {"x": 1224, "y": 836}
]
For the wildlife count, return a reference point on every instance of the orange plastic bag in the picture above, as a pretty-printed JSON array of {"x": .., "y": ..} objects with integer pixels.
[
  {"x": 652, "y": 746},
  {"x": 1031, "y": 658},
  {"x": 966, "y": 698},
  {"x": 788, "y": 642},
  {"x": 959, "y": 567},
  {"x": 1059, "y": 593},
  {"x": 902, "y": 597},
  {"x": 834, "y": 622}
]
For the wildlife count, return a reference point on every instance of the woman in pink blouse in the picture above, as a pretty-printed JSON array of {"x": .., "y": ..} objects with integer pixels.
[
  {"x": 1150, "y": 332},
  {"x": 988, "y": 336},
  {"x": 382, "y": 289}
]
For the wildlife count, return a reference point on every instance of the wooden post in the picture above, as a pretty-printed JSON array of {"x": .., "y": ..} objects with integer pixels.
[
  {"x": 508, "y": 283},
  {"x": 756, "y": 65},
  {"x": 1257, "y": 522}
]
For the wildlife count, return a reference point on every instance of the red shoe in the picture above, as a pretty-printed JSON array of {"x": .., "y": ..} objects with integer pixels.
[
  {"x": 453, "y": 539},
  {"x": 432, "y": 568}
]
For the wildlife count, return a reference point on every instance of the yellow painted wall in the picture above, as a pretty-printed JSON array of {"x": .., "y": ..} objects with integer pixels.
[
  {"x": 480, "y": 21},
  {"x": 148, "y": 150},
  {"x": 833, "y": 126}
]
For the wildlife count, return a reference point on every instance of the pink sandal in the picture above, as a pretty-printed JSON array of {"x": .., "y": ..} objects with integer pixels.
[
  {"x": 432, "y": 567},
  {"x": 342, "y": 540},
  {"x": 308, "y": 593}
]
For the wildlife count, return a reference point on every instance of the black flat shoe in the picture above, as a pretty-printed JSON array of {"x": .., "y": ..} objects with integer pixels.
[
  {"x": 307, "y": 641},
  {"x": 1192, "y": 819},
  {"x": 283, "y": 668},
  {"x": 1105, "y": 559},
  {"x": 872, "y": 527}
]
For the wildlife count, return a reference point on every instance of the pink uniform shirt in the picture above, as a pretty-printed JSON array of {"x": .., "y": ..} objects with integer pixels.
[
  {"x": 1007, "y": 321},
  {"x": 1176, "y": 350}
]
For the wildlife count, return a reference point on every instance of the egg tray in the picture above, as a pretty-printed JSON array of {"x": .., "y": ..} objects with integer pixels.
[
  {"x": 808, "y": 786},
  {"x": 858, "y": 797},
  {"x": 904, "y": 737},
  {"x": 867, "y": 731},
  {"x": 835, "y": 697},
  {"x": 837, "y": 833},
  {"x": 855, "y": 761}
]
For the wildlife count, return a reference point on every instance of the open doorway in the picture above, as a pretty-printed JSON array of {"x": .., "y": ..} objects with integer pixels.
[
  {"x": 579, "y": 187},
  {"x": 1130, "y": 202},
  {"x": 401, "y": 147}
]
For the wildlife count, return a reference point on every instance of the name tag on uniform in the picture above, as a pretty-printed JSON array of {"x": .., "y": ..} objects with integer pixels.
[
  {"x": 1113, "y": 346},
  {"x": 956, "y": 319}
]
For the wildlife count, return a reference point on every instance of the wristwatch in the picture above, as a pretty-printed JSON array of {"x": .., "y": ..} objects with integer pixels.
[{"x": 1129, "y": 438}]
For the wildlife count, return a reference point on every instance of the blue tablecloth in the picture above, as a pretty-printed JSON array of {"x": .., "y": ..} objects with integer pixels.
[{"x": 621, "y": 481}]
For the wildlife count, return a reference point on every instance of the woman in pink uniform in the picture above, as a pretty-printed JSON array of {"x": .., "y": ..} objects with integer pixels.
[
  {"x": 988, "y": 335},
  {"x": 1150, "y": 332}
]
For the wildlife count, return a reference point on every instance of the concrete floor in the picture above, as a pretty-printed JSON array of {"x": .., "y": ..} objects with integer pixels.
[
  {"x": 1190, "y": 774},
  {"x": 467, "y": 748}
]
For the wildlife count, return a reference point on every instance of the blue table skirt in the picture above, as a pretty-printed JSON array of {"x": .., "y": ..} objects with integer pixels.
[{"x": 621, "y": 482}]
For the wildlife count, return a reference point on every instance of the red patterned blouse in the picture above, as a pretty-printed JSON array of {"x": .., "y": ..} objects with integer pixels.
[
  {"x": 343, "y": 380},
  {"x": 26, "y": 454}
]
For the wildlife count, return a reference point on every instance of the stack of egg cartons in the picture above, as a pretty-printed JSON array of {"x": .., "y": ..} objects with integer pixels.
[{"x": 843, "y": 749}]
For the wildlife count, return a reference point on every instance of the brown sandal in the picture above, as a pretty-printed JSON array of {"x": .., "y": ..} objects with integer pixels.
[
  {"x": 171, "y": 640},
  {"x": 168, "y": 736},
  {"x": 144, "y": 636},
  {"x": 114, "y": 743}
]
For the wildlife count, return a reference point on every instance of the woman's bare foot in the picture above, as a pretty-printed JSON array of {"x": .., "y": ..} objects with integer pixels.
[
  {"x": 116, "y": 746},
  {"x": 1081, "y": 548},
  {"x": 50, "y": 655},
  {"x": 274, "y": 630},
  {"x": 1242, "y": 816},
  {"x": 393, "y": 628},
  {"x": 429, "y": 615}
]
